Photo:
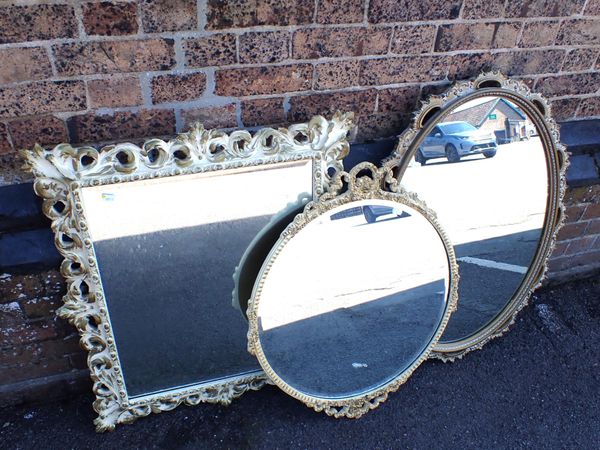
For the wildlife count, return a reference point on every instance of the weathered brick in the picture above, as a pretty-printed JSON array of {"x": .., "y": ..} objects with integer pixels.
[
  {"x": 482, "y": 9},
  {"x": 14, "y": 287},
  {"x": 44, "y": 130},
  {"x": 470, "y": 36},
  {"x": 589, "y": 260},
  {"x": 583, "y": 194},
  {"x": 267, "y": 111},
  {"x": 580, "y": 59},
  {"x": 402, "y": 100},
  {"x": 249, "y": 13},
  {"x": 469, "y": 65},
  {"x": 169, "y": 15},
  {"x": 212, "y": 117},
  {"x": 26, "y": 332},
  {"x": 122, "y": 125},
  {"x": 12, "y": 172},
  {"x": 579, "y": 32},
  {"x": 263, "y": 80},
  {"x": 38, "y": 307},
  {"x": 589, "y": 107},
  {"x": 377, "y": 126},
  {"x": 24, "y": 64},
  {"x": 37, "y": 352},
  {"x": 114, "y": 56},
  {"x": 412, "y": 39},
  {"x": 592, "y": 211},
  {"x": 559, "y": 249},
  {"x": 36, "y": 22},
  {"x": 539, "y": 34},
  {"x": 404, "y": 69},
  {"x": 5, "y": 146},
  {"x": 337, "y": 74},
  {"x": 340, "y": 11},
  {"x": 303, "y": 107},
  {"x": 579, "y": 83},
  {"x": 571, "y": 231},
  {"x": 110, "y": 19},
  {"x": 30, "y": 371},
  {"x": 53, "y": 282},
  {"x": 581, "y": 245},
  {"x": 214, "y": 50},
  {"x": 177, "y": 87},
  {"x": 564, "y": 109},
  {"x": 594, "y": 228},
  {"x": 336, "y": 42},
  {"x": 264, "y": 47},
  {"x": 543, "y": 8},
  {"x": 409, "y": 10},
  {"x": 114, "y": 92},
  {"x": 592, "y": 8},
  {"x": 42, "y": 97},
  {"x": 528, "y": 62}
]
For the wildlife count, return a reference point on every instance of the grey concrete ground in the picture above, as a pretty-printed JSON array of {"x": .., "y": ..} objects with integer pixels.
[{"x": 538, "y": 387}]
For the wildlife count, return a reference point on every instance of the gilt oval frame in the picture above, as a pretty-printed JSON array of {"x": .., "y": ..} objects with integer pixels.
[
  {"x": 538, "y": 109},
  {"x": 360, "y": 187}
]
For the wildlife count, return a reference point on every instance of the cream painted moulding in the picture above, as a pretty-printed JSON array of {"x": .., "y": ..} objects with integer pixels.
[
  {"x": 61, "y": 173},
  {"x": 536, "y": 107},
  {"x": 364, "y": 182}
]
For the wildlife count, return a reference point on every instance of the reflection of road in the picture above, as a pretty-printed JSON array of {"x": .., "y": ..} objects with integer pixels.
[{"x": 493, "y": 210}]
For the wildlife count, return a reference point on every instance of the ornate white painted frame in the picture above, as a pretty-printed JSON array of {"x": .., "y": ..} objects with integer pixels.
[
  {"x": 538, "y": 109},
  {"x": 364, "y": 181},
  {"x": 61, "y": 173}
]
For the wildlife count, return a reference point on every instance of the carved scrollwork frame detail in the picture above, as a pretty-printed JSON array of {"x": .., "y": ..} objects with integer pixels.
[
  {"x": 61, "y": 173},
  {"x": 365, "y": 181},
  {"x": 538, "y": 109}
]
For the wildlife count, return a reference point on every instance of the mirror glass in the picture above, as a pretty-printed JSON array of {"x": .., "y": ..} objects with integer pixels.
[
  {"x": 483, "y": 169},
  {"x": 166, "y": 251},
  {"x": 352, "y": 299}
]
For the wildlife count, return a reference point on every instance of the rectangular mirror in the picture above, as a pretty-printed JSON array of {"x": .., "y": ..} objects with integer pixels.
[{"x": 151, "y": 237}]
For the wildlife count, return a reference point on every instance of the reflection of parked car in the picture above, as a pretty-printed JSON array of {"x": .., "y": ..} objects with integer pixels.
[
  {"x": 453, "y": 140},
  {"x": 372, "y": 212}
]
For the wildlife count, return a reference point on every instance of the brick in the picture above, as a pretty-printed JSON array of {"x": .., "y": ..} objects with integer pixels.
[
  {"x": 594, "y": 228},
  {"x": 114, "y": 56},
  {"x": 17, "y": 287},
  {"x": 528, "y": 62},
  {"x": 592, "y": 211},
  {"x": 434, "y": 89},
  {"x": 412, "y": 39},
  {"x": 589, "y": 259},
  {"x": 471, "y": 36},
  {"x": 24, "y": 64},
  {"x": 404, "y": 69},
  {"x": 580, "y": 83},
  {"x": 580, "y": 59},
  {"x": 580, "y": 245},
  {"x": 53, "y": 282},
  {"x": 469, "y": 65},
  {"x": 5, "y": 145},
  {"x": 340, "y": 11},
  {"x": 579, "y": 32},
  {"x": 539, "y": 34},
  {"x": 268, "y": 111},
  {"x": 250, "y": 13},
  {"x": 25, "y": 333},
  {"x": 337, "y": 75},
  {"x": 32, "y": 371},
  {"x": 115, "y": 92},
  {"x": 36, "y": 23},
  {"x": 402, "y": 100},
  {"x": 564, "y": 109},
  {"x": 263, "y": 80},
  {"x": 169, "y": 15},
  {"x": 92, "y": 128},
  {"x": 589, "y": 107},
  {"x": 213, "y": 117},
  {"x": 559, "y": 249},
  {"x": 214, "y": 50},
  {"x": 43, "y": 130},
  {"x": 584, "y": 194},
  {"x": 264, "y": 47},
  {"x": 12, "y": 172},
  {"x": 303, "y": 107},
  {"x": 482, "y": 9},
  {"x": 110, "y": 19},
  {"x": 409, "y": 10},
  {"x": 42, "y": 97},
  {"x": 177, "y": 87},
  {"x": 38, "y": 307},
  {"x": 35, "y": 353},
  {"x": 377, "y": 126},
  {"x": 592, "y": 8},
  {"x": 336, "y": 42},
  {"x": 571, "y": 231},
  {"x": 543, "y": 8}
]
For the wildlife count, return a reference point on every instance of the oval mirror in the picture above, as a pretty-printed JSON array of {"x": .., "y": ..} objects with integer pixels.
[
  {"x": 352, "y": 298},
  {"x": 490, "y": 164}
]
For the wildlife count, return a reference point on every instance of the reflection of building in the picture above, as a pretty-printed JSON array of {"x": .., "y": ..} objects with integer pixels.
[{"x": 507, "y": 121}]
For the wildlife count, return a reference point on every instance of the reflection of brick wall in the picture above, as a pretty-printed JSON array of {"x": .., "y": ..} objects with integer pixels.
[{"x": 94, "y": 72}]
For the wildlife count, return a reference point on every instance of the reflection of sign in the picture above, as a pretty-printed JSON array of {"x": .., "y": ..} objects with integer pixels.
[{"x": 492, "y": 117}]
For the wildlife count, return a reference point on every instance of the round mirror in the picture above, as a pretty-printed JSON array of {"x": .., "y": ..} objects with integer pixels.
[
  {"x": 350, "y": 301},
  {"x": 488, "y": 163}
]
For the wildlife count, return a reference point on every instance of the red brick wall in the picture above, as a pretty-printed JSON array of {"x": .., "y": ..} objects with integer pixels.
[{"x": 95, "y": 72}]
